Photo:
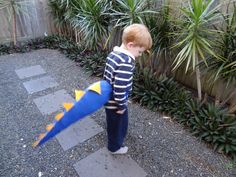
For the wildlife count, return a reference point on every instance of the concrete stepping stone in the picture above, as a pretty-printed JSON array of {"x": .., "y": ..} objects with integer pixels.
[
  {"x": 233, "y": 172},
  {"x": 30, "y": 71},
  {"x": 52, "y": 102},
  {"x": 103, "y": 164},
  {"x": 78, "y": 133},
  {"x": 39, "y": 84}
]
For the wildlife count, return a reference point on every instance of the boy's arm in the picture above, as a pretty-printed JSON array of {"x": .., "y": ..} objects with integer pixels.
[{"x": 122, "y": 83}]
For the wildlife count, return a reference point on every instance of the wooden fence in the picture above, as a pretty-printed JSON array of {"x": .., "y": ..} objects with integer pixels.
[
  {"x": 33, "y": 21},
  {"x": 36, "y": 19}
]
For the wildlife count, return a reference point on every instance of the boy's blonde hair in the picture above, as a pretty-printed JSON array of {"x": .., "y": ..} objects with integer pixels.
[{"x": 138, "y": 34}]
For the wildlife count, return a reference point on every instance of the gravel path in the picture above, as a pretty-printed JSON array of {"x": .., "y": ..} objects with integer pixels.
[{"x": 161, "y": 147}]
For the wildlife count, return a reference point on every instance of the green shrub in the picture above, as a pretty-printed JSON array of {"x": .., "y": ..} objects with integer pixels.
[
  {"x": 159, "y": 92},
  {"x": 214, "y": 125},
  {"x": 65, "y": 45},
  {"x": 208, "y": 122},
  {"x": 4, "y": 49},
  {"x": 93, "y": 63}
]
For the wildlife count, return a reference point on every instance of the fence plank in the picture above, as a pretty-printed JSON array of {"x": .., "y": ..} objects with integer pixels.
[{"x": 34, "y": 22}]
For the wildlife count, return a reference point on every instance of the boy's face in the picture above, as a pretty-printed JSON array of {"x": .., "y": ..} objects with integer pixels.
[{"x": 136, "y": 50}]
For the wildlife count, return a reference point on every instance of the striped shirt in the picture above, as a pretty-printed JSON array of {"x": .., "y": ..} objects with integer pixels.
[{"x": 118, "y": 72}]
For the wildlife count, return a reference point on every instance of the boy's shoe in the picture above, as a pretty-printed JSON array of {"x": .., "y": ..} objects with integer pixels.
[{"x": 122, "y": 150}]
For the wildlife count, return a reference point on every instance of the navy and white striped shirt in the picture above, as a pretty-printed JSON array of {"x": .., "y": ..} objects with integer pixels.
[{"x": 119, "y": 73}]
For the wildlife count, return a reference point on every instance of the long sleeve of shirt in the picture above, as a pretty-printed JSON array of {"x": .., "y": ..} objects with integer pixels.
[{"x": 122, "y": 84}]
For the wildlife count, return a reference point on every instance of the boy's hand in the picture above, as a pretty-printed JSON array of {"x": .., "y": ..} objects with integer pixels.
[{"x": 120, "y": 111}]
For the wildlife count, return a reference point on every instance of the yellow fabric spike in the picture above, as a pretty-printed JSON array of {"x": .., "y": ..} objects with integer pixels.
[
  {"x": 35, "y": 144},
  {"x": 96, "y": 87},
  {"x": 49, "y": 127},
  {"x": 79, "y": 94},
  {"x": 59, "y": 116},
  {"x": 68, "y": 106}
]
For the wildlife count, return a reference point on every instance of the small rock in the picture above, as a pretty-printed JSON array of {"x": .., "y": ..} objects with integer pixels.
[
  {"x": 40, "y": 174},
  {"x": 166, "y": 117},
  {"x": 233, "y": 171},
  {"x": 149, "y": 123},
  {"x": 140, "y": 136},
  {"x": 24, "y": 146}
]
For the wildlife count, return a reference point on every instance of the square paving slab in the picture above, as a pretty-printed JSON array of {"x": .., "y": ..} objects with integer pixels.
[
  {"x": 40, "y": 84},
  {"x": 30, "y": 71},
  {"x": 78, "y": 133},
  {"x": 103, "y": 164},
  {"x": 52, "y": 102}
]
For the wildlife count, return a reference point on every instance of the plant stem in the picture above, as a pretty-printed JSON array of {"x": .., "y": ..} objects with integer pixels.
[
  {"x": 14, "y": 24},
  {"x": 198, "y": 77}
]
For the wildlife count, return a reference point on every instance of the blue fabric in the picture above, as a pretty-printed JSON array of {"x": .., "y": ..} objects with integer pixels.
[
  {"x": 117, "y": 125},
  {"x": 88, "y": 104}
]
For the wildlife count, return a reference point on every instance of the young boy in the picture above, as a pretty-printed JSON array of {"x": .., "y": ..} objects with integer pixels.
[{"x": 118, "y": 72}]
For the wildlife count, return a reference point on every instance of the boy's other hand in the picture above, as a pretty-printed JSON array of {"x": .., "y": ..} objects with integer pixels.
[{"x": 120, "y": 111}]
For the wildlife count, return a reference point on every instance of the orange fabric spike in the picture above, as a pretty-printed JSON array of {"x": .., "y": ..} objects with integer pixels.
[
  {"x": 35, "y": 144},
  {"x": 68, "y": 106},
  {"x": 41, "y": 136},
  {"x": 59, "y": 116},
  {"x": 49, "y": 127}
]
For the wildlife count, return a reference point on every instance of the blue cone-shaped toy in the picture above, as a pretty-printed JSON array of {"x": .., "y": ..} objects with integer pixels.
[{"x": 87, "y": 102}]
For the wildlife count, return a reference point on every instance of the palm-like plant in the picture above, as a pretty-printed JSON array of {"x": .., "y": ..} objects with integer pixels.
[
  {"x": 14, "y": 8},
  {"x": 225, "y": 69},
  {"x": 64, "y": 13},
  {"x": 195, "y": 36},
  {"x": 160, "y": 27},
  {"x": 72, "y": 9},
  {"x": 93, "y": 22},
  {"x": 70, "y": 15},
  {"x": 124, "y": 13},
  {"x": 127, "y": 12},
  {"x": 58, "y": 13},
  {"x": 58, "y": 10}
]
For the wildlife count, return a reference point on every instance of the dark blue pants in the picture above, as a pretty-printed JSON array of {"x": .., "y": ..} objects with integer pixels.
[{"x": 117, "y": 125}]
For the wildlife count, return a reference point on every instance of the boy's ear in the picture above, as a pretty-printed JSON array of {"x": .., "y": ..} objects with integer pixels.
[{"x": 130, "y": 44}]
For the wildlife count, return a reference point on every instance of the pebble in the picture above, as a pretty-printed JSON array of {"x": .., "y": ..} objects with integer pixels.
[
  {"x": 166, "y": 117},
  {"x": 40, "y": 174}
]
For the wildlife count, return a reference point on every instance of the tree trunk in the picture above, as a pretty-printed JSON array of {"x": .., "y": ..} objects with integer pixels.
[
  {"x": 76, "y": 37},
  {"x": 198, "y": 77},
  {"x": 232, "y": 109},
  {"x": 59, "y": 28},
  {"x": 14, "y": 25},
  {"x": 217, "y": 96},
  {"x": 228, "y": 98}
]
